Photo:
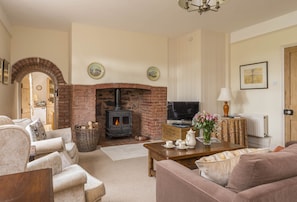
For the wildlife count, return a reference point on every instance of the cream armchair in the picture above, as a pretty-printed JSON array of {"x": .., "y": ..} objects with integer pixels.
[
  {"x": 56, "y": 140},
  {"x": 72, "y": 183}
]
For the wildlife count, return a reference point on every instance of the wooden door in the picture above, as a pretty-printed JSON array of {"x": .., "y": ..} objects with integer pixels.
[
  {"x": 25, "y": 97},
  {"x": 290, "y": 94}
]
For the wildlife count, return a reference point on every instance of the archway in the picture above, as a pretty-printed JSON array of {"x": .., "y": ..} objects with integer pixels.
[{"x": 28, "y": 65}]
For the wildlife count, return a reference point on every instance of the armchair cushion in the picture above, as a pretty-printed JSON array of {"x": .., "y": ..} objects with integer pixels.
[{"x": 36, "y": 130}]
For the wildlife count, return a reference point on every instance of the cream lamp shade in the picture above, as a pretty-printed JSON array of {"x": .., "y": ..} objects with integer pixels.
[{"x": 225, "y": 96}]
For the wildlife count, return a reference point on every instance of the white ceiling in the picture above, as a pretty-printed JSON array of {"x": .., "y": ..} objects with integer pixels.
[{"x": 163, "y": 17}]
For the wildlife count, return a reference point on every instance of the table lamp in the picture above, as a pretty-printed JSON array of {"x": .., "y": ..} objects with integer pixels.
[{"x": 225, "y": 96}]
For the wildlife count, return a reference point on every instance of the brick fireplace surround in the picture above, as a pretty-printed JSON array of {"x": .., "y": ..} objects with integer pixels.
[{"x": 89, "y": 103}]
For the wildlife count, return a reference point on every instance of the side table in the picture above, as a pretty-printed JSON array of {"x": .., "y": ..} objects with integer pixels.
[
  {"x": 34, "y": 185},
  {"x": 234, "y": 130}
]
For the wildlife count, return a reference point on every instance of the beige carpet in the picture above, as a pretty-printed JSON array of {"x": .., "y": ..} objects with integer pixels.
[
  {"x": 127, "y": 151},
  {"x": 125, "y": 180}
]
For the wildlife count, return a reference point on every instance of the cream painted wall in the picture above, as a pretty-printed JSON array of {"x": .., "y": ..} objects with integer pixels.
[
  {"x": 125, "y": 55},
  {"x": 198, "y": 70},
  {"x": 214, "y": 69},
  {"x": 48, "y": 44},
  {"x": 268, "y": 47},
  {"x": 184, "y": 75},
  {"x": 6, "y": 91}
]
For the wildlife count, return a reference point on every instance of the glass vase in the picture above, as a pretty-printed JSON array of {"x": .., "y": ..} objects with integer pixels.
[{"x": 206, "y": 137}]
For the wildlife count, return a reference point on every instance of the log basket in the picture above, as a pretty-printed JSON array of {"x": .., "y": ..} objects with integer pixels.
[{"x": 87, "y": 138}]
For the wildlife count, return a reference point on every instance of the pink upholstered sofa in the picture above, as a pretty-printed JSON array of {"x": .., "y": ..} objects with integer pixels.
[{"x": 261, "y": 177}]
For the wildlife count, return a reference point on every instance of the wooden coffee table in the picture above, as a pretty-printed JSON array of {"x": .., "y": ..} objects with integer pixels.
[{"x": 186, "y": 157}]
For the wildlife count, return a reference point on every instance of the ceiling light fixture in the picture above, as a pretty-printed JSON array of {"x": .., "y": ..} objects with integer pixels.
[{"x": 201, "y": 6}]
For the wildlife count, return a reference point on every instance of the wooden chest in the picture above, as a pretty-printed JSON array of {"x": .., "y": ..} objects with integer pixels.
[{"x": 170, "y": 132}]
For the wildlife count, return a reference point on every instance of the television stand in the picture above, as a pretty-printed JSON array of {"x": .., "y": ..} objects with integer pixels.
[
  {"x": 172, "y": 132},
  {"x": 181, "y": 125}
]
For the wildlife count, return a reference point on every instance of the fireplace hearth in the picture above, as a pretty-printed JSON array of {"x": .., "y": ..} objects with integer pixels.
[{"x": 118, "y": 121}]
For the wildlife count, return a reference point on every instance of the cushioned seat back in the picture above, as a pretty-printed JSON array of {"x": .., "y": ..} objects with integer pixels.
[
  {"x": 256, "y": 169},
  {"x": 22, "y": 122},
  {"x": 4, "y": 120},
  {"x": 14, "y": 149}
]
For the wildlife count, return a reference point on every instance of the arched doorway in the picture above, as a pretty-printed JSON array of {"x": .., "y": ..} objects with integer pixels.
[
  {"x": 37, "y": 98},
  {"x": 28, "y": 65}
]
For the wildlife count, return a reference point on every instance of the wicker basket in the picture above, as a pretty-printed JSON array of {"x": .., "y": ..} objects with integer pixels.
[{"x": 86, "y": 139}]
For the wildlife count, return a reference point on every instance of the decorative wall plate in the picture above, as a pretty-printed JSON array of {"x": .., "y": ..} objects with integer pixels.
[
  {"x": 96, "y": 70},
  {"x": 153, "y": 73}
]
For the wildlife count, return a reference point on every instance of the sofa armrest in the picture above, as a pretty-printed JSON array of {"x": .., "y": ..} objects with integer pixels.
[
  {"x": 65, "y": 133},
  {"x": 283, "y": 190},
  {"x": 48, "y": 145},
  {"x": 52, "y": 161},
  {"x": 176, "y": 182}
]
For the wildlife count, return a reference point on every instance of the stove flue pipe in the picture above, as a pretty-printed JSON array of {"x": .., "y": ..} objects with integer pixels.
[{"x": 117, "y": 98}]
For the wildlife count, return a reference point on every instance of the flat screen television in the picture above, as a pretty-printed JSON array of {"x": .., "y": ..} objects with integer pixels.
[{"x": 179, "y": 110}]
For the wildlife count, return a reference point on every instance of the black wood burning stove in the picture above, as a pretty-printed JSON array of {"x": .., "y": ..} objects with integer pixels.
[{"x": 118, "y": 122}]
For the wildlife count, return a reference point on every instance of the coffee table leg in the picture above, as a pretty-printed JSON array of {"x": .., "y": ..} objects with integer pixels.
[{"x": 151, "y": 171}]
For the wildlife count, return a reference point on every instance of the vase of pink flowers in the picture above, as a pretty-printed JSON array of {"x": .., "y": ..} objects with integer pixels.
[{"x": 206, "y": 122}]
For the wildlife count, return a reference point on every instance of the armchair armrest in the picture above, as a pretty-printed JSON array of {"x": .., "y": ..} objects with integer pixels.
[
  {"x": 65, "y": 133},
  {"x": 49, "y": 145},
  {"x": 52, "y": 161},
  {"x": 69, "y": 178}
]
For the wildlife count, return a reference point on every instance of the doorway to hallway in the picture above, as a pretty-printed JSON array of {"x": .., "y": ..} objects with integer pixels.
[{"x": 37, "y": 98}]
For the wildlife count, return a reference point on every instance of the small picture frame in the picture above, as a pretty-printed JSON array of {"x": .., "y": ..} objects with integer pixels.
[
  {"x": 153, "y": 73},
  {"x": 39, "y": 87},
  {"x": 1, "y": 70},
  {"x": 254, "y": 76},
  {"x": 6, "y": 72},
  {"x": 96, "y": 70}
]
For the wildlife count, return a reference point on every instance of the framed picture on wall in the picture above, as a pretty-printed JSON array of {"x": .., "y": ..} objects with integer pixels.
[
  {"x": 6, "y": 72},
  {"x": 254, "y": 76},
  {"x": 1, "y": 70}
]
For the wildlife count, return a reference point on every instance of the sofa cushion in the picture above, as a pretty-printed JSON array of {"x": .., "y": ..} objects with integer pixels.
[
  {"x": 218, "y": 167},
  {"x": 36, "y": 130},
  {"x": 256, "y": 169}
]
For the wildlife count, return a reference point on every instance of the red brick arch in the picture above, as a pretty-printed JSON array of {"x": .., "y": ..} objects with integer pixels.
[
  {"x": 34, "y": 64},
  {"x": 25, "y": 66}
]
